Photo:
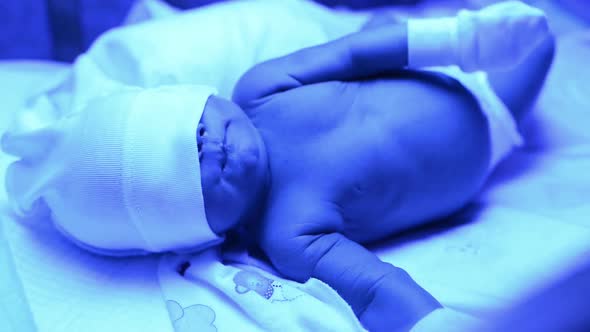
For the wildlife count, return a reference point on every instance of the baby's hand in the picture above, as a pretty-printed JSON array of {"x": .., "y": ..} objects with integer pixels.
[{"x": 499, "y": 36}]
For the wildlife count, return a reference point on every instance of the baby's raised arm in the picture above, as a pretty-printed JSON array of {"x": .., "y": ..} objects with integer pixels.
[
  {"x": 362, "y": 54},
  {"x": 497, "y": 37}
]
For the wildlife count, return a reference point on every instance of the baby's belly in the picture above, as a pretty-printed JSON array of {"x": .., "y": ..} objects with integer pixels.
[
  {"x": 346, "y": 143},
  {"x": 370, "y": 202},
  {"x": 364, "y": 167},
  {"x": 373, "y": 164}
]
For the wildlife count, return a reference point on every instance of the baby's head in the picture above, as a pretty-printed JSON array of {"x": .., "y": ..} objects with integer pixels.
[{"x": 155, "y": 170}]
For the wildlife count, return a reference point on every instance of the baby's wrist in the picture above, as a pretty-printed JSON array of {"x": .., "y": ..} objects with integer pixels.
[{"x": 433, "y": 42}]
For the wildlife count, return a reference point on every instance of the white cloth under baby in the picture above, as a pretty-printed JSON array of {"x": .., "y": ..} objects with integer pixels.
[{"x": 202, "y": 294}]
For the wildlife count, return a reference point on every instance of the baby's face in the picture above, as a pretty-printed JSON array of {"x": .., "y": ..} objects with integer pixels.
[{"x": 234, "y": 164}]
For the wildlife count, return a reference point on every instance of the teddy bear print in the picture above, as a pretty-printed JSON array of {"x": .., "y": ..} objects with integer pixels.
[
  {"x": 269, "y": 289},
  {"x": 196, "y": 317}
]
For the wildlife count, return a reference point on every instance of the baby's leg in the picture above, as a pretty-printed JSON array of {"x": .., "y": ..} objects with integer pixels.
[{"x": 519, "y": 87}]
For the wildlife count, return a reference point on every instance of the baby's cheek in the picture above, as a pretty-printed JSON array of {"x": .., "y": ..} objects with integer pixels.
[
  {"x": 207, "y": 176},
  {"x": 222, "y": 207},
  {"x": 211, "y": 189}
]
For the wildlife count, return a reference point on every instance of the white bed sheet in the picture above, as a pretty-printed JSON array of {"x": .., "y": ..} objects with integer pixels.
[
  {"x": 16, "y": 85},
  {"x": 530, "y": 224}
]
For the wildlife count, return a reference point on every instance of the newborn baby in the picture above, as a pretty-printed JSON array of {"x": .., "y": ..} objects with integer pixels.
[
  {"x": 337, "y": 148},
  {"x": 319, "y": 150}
]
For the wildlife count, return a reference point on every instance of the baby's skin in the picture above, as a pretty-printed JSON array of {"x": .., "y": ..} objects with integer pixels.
[
  {"x": 335, "y": 146},
  {"x": 335, "y": 158},
  {"x": 347, "y": 167}
]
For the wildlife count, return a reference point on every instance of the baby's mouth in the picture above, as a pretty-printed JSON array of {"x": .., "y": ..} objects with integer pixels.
[
  {"x": 213, "y": 147},
  {"x": 229, "y": 152},
  {"x": 214, "y": 150}
]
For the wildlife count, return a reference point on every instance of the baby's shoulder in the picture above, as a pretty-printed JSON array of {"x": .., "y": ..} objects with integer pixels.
[{"x": 316, "y": 107}]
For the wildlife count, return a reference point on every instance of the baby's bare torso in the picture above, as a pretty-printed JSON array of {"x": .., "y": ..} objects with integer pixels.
[{"x": 337, "y": 142}]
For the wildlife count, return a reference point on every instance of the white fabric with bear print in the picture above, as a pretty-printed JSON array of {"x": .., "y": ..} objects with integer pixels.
[{"x": 203, "y": 294}]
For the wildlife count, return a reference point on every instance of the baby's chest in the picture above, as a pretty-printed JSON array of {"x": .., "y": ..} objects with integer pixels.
[
  {"x": 332, "y": 120},
  {"x": 339, "y": 138}
]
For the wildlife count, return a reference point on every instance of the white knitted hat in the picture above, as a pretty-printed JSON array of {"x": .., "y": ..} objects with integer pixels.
[{"x": 134, "y": 184}]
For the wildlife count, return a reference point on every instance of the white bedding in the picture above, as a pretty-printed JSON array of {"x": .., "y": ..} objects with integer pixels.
[{"x": 528, "y": 226}]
